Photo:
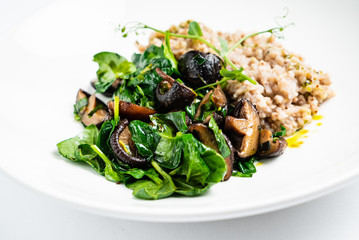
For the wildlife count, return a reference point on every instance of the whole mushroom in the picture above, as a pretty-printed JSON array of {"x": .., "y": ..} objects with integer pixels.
[
  {"x": 199, "y": 68},
  {"x": 172, "y": 95}
]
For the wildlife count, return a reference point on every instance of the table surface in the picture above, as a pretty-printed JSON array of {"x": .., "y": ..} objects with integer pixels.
[{"x": 30, "y": 215}]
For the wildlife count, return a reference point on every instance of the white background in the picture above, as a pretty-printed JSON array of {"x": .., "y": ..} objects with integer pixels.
[{"x": 29, "y": 215}]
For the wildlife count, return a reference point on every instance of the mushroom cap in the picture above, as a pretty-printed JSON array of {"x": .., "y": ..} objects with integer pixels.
[
  {"x": 206, "y": 136},
  {"x": 98, "y": 117},
  {"x": 199, "y": 68},
  {"x": 218, "y": 97},
  {"x": 205, "y": 99},
  {"x": 117, "y": 136},
  {"x": 268, "y": 147},
  {"x": 177, "y": 95},
  {"x": 132, "y": 111},
  {"x": 95, "y": 112},
  {"x": 229, "y": 160},
  {"x": 81, "y": 94},
  {"x": 242, "y": 129}
]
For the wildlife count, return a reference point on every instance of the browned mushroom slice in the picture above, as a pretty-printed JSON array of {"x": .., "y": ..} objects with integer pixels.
[
  {"x": 95, "y": 112},
  {"x": 206, "y": 136},
  {"x": 269, "y": 147},
  {"x": 172, "y": 95},
  {"x": 132, "y": 111},
  {"x": 123, "y": 147},
  {"x": 218, "y": 97},
  {"x": 81, "y": 94},
  {"x": 205, "y": 99},
  {"x": 242, "y": 130},
  {"x": 218, "y": 118},
  {"x": 230, "y": 159},
  {"x": 165, "y": 76}
]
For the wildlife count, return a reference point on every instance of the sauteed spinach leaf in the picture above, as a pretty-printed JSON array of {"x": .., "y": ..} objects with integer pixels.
[
  {"x": 111, "y": 67},
  {"x": 145, "y": 138},
  {"x": 139, "y": 87}
]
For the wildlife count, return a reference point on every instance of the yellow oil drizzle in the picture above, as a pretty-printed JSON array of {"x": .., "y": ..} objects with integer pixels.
[
  {"x": 259, "y": 163},
  {"x": 317, "y": 117},
  {"x": 123, "y": 145},
  {"x": 297, "y": 139}
]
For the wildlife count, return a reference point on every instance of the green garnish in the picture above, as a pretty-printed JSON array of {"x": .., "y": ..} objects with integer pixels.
[
  {"x": 78, "y": 106},
  {"x": 168, "y": 52},
  {"x": 199, "y": 59},
  {"x": 246, "y": 168},
  {"x": 281, "y": 133},
  {"x": 111, "y": 67},
  {"x": 175, "y": 161},
  {"x": 195, "y": 33}
]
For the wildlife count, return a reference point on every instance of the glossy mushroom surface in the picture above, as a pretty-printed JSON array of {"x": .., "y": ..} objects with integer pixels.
[
  {"x": 95, "y": 112},
  {"x": 132, "y": 111},
  {"x": 172, "y": 95},
  {"x": 242, "y": 129},
  {"x": 119, "y": 140},
  {"x": 230, "y": 159},
  {"x": 268, "y": 147},
  {"x": 206, "y": 136},
  {"x": 218, "y": 97},
  {"x": 199, "y": 68}
]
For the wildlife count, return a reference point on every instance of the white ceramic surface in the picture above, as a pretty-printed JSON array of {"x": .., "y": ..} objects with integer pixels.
[{"x": 47, "y": 58}]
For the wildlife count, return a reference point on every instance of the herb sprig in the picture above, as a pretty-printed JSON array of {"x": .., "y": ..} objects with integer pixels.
[{"x": 195, "y": 33}]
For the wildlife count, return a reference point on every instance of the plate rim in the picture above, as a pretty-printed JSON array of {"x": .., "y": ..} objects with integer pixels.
[{"x": 321, "y": 190}]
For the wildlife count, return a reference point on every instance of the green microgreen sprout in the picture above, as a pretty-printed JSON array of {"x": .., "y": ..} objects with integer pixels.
[{"x": 195, "y": 33}]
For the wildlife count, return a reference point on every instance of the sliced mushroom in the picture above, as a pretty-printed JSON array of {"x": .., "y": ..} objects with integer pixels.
[
  {"x": 206, "y": 136},
  {"x": 111, "y": 90},
  {"x": 172, "y": 95},
  {"x": 119, "y": 140},
  {"x": 95, "y": 112},
  {"x": 81, "y": 94},
  {"x": 242, "y": 129},
  {"x": 269, "y": 147},
  {"x": 218, "y": 118},
  {"x": 230, "y": 159},
  {"x": 188, "y": 120},
  {"x": 218, "y": 97},
  {"x": 205, "y": 99},
  {"x": 132, "y": 111}
]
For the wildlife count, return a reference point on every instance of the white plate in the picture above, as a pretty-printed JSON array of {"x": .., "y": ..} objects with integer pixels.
[{"x": 47, "y": 58}]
